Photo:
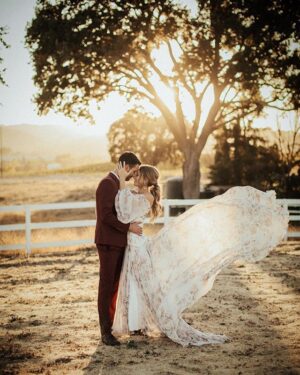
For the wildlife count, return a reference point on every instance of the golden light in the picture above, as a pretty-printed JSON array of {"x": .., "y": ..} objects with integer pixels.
[{"x": 163, "y": 61}]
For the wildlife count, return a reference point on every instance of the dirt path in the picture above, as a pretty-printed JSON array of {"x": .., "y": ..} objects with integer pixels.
[{"x": 49, "y": 322}]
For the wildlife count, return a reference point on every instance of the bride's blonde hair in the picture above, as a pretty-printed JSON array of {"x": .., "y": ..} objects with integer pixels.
[{"x": 150, "y": 175}]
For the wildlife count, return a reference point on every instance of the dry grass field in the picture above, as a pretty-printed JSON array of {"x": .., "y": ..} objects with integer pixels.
[{"x": 48, "y": 312}]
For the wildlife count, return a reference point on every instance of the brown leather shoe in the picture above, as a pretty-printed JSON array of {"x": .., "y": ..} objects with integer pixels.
[{"x": 109, "y": 339}]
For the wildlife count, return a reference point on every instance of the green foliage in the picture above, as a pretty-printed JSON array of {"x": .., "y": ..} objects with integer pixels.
[
  {"x": 149, "y": 137},
  {"x": 4, "y": 44},
  {"x": 243, "y": 157}
]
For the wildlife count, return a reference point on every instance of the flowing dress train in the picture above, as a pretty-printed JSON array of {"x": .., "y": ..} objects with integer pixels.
[{"x": 164, "y": 274}]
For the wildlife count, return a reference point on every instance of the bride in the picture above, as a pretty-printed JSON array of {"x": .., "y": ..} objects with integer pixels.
[{"x": 164, "y": 274}]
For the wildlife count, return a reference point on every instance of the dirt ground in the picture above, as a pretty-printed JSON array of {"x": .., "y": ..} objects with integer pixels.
[
  {"x": 49, "y": 322},
  {"x": 48, "y": 310}
]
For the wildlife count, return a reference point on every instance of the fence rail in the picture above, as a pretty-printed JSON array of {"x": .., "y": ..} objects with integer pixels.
[{"x": 28, "y": 226}]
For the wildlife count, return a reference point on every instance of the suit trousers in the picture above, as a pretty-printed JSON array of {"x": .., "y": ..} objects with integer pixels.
[{"x": 111, "y": 260}]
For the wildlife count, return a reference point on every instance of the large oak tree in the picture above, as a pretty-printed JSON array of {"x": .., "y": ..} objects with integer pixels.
[{"x": 84, "y": 50}]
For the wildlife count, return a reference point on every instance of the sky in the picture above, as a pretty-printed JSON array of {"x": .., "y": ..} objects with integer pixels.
[{"x": 16, "y": 99}]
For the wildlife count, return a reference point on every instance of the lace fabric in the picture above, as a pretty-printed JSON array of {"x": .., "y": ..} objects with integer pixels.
[{"x": 165, "y": 274}]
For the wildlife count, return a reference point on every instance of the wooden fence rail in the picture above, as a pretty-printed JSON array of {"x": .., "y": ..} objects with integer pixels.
[{"x": 28, "y": 226}]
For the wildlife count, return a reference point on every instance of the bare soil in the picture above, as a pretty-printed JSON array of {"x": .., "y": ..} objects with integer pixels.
[{"x": 49, "y": 322}]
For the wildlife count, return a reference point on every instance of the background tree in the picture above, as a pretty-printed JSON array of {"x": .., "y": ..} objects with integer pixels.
[
  {"x": 5, "y": 45},
  {"x": 2, "y": 82},
  {"x": 149, "y": 137},
  {"x": 84, "y": 50},
  {"x": 243, "y": 157},
  {"x": 289, "y": 150}
]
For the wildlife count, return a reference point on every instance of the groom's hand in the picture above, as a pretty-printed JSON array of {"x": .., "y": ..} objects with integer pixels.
[
  {"x": 123, "y": 174},
  {"x": 136, "y": 228}
]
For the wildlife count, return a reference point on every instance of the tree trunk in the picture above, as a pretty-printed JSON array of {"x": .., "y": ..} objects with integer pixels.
[{"x": 191, "y": 176}]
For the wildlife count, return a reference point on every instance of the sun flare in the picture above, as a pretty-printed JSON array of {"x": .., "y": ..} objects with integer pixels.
[{"x": 163, "y": 61}]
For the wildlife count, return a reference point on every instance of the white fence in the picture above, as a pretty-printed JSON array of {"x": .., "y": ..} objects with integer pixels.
[{"x": 28, "y": 226}]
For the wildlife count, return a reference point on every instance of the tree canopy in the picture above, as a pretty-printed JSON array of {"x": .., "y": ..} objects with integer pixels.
[
  {"x": 245, "y": 51},
  {"x": 243, "y": 157}
]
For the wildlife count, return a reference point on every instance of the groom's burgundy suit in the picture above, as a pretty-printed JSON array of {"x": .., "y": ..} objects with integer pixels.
[{"x": 111, "y": 241}]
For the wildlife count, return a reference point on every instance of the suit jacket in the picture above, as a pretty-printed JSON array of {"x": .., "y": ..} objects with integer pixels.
[{"x": 109, "y": 230}]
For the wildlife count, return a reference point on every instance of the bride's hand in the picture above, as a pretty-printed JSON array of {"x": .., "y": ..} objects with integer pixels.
[{"x": 122, "y": 171}]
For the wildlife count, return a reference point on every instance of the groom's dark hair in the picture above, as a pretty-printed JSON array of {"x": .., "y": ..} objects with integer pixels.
[{"x": 129, "y": 158}]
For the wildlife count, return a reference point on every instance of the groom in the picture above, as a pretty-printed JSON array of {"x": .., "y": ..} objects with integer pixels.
[{"x": 111, "y": 241}]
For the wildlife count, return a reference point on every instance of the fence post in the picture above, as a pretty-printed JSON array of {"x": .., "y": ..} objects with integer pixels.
[
  {"x": 28, "y": 230},
  {"x": 166, "y": 211},
  {"x": 287, "y": 232}
]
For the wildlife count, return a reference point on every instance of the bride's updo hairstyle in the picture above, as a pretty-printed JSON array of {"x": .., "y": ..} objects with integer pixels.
[{"x": 150, "y": 176}]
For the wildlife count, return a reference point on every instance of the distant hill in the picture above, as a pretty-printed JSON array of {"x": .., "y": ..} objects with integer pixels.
[
  {"x": 53, "y": 144},
  {"x": 41, "y": 148}
]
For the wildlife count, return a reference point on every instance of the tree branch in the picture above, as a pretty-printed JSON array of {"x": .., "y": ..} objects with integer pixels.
[
  {"x": 133, "y": 91},
  {"x": 178, "y": 131},
  {"x": 191, "y": 91},
  {"x": 198, "y": 103},
  {"x": 179, "y": 113},
  {"x": 208, "y": 126},
  {"x": 165, "y": 79},
  {"x": 280, "y": 108},
  {"x": 230, "y": 120},
  {"x": 170, "y": 120}
]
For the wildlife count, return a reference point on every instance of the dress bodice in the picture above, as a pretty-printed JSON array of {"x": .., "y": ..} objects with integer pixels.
[{"x": 132, "y": 207}]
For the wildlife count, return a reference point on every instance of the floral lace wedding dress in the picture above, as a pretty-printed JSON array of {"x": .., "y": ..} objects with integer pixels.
[{"x": 164, "y": 274}]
